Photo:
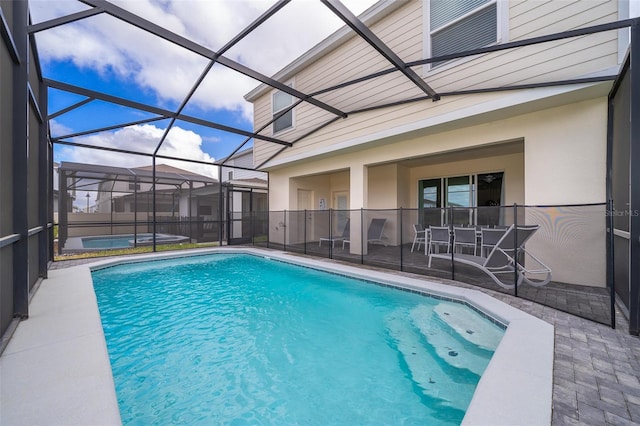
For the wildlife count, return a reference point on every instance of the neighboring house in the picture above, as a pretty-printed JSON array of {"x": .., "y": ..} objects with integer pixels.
[
  {"x": 247, "y": 194},
  {"x": 533, "y": 146},
  {"x": 180, "y": 195},
  {"x": 124, "y": 197},
  {"x": 240, "y": 167},
  {"x": 125, "y": 190},
  {"x": 238, "y": 174}
]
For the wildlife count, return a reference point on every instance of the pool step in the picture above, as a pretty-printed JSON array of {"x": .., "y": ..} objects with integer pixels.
[
  {"x": 423, "y": 369},
  {"x": 469, "y": 325},
  {"x": 451, "y": 350}
]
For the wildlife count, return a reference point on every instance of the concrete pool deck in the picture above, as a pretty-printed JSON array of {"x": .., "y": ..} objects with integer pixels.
[{"x": 55, "y": 369}]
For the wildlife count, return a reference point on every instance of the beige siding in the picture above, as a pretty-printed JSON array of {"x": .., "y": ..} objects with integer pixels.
[
  {"x": 403, "y": 33},
  {"x": 261, "y": 115},
  {"x": 352, "y": 60},
  {"x": 360, "y": 125},
  {"x": 263, "y": 150},
  {"x": 402, "y": 30},
  {"x": 380, "y": 91},
  {"x": 535, "y": 18}
]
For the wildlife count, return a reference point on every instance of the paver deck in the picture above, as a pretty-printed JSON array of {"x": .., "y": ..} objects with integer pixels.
[{"x": 596, "y": 368}]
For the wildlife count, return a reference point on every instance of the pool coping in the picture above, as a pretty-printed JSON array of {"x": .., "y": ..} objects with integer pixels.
[{"x": 56, "y": 367}]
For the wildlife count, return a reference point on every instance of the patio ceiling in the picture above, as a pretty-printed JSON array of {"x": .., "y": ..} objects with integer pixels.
[{"x": 212, "y": 57}]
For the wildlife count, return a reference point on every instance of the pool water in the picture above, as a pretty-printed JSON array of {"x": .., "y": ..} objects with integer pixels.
[
  {"x": 108, "y": 242},
  {"x": 238, "y": 339},
  {"x": 126, "y": 240}
]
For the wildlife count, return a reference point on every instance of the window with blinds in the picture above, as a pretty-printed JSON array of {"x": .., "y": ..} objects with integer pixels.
[
  {"x": 281, "y": 101},
  {"x": 459, "y": 25}
]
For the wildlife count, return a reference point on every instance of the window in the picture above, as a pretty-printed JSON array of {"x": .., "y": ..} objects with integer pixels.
[
  {"x": 280, "y": 102},
  {"x": 204, "y": 210},
  {"x": 459, "y": 25},
  {"x": 465, "y": 194},
  {"x": 134, "y": 186}
]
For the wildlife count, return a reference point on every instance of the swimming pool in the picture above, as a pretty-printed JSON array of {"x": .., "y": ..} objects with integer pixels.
[
  {"x": 127, "y": 240},
  {"x": 303, "y": 347}
]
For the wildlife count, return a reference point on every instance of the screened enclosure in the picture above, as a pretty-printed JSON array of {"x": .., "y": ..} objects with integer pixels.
[
  {"x": 154, "y": 196},
  {"x": 127, "y": 207}
]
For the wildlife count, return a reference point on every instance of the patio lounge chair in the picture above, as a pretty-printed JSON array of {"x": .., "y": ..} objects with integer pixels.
[
  {"x": 333, "y": 239},
  {"x": 374, "y": 233},
  {"x": 501, "y": 259}
]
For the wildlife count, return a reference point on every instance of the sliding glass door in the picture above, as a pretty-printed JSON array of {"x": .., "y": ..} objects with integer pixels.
[
  {"x": 463, "y": 193},
  {"x": 430, "y": 202},
  {"x": 460, "y": 194}
]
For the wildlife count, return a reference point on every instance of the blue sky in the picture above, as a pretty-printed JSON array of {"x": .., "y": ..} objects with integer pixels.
[{"x": 104, "y": 54}]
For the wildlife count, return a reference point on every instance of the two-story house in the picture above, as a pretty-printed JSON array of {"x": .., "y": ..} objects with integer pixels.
[{"x": 525, "y": 125}]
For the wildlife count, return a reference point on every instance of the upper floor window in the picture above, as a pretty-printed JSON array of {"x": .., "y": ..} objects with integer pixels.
[
  {"x": 133, "y": 186},
  {"x": 459, "y": 25},
  {"x": 281, "y": 101}
]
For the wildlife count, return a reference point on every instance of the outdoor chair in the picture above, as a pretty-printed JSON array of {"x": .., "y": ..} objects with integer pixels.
[
  {"x": 374, "y": 233},
  {"x": 465, "y": 237},
  {"x": 420, "y": 236},
  {"x": 438, "y": 236},
  {"x": 333, "y": 239},
  {"x": 507, "y": 257}
]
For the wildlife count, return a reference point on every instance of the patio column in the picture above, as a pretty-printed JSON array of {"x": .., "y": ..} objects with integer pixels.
[{"x": 358, "y": 193}]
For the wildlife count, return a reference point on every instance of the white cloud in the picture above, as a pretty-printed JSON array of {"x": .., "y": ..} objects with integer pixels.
[
  {"x": 142, "y": 138},
  {"x": 59, "y": 128},
  {"x": 108, "y": 45}
]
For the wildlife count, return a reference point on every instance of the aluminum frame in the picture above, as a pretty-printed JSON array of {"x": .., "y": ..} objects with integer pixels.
[{"x": 19, "y": 40}]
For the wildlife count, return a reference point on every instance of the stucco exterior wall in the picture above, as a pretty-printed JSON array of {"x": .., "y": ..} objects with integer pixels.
[{"x": 565, "y": 154}]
